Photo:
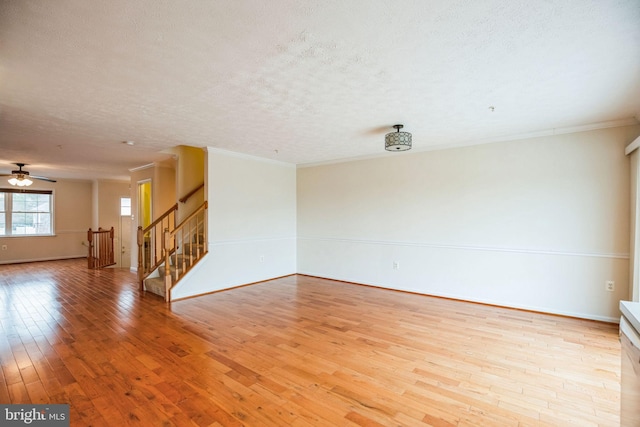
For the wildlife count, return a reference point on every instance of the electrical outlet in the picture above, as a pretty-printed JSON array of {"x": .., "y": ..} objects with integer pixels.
[
  {"x": 396, "y": 265},
  {"x": 610, "y": 285},
  {"x": 261, "y": 258},
  {"x": 4, "y": 247}
]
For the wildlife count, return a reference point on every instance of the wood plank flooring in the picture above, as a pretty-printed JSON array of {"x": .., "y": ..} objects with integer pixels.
[{"x": 296, "y": 351}]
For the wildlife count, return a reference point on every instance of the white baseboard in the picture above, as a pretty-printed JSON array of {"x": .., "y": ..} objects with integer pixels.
[
  {"x": 543, "y": 310},
  {"x": 20, "y": 261}
]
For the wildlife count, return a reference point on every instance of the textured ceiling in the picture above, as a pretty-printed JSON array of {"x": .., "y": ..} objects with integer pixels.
[{"x": 301, "y": 81}]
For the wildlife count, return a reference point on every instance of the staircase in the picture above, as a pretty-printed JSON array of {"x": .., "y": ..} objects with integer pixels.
[
  {"x": 180, "y": 247},
  {"x": 101, "y": 253}
]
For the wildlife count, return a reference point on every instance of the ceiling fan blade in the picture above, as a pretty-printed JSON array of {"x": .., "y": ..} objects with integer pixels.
[
  {"x": 42, "y": 178},
  {"x": 25, "y": 174}
]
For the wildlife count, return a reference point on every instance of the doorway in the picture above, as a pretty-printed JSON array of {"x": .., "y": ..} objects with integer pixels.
[
  {"x": 145, "y": 216},
  {"x": 125, "y": 232},
  {"x": 144, "y": 203}
]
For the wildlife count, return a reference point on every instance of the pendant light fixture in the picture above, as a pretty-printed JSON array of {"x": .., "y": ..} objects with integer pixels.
[{"x": 397, "y": 141}]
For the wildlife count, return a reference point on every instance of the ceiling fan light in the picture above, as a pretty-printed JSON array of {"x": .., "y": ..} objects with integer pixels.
[
  {"x": 21, "y": 177},
  {"x": 20, "y": 181}
]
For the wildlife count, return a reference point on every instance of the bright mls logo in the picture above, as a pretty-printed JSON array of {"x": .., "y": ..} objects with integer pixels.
[{"x": 34, "y": 415}]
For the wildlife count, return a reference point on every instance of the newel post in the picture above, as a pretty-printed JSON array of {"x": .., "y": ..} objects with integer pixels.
[
  {"x": 90, "y": 257},
  {"x": 112, "y": 256},
  {"x": 140, "y": 268},
  {"x": 167, "y": 269}
]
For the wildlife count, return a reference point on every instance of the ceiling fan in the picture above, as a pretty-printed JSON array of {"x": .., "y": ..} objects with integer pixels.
[{"x": 22, "y": 178}]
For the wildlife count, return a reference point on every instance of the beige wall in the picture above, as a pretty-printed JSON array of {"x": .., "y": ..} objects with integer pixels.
[
  {"x": 79, "y": 205},
  {"x": 540, "y": 223},
  {"x": 108, "y": 208},
  {"x": 72, "y": 218},
  {"x": 190, "y": 175},
  {"x": 138, "y": 175},
  {"x": 163, "y": 188}
]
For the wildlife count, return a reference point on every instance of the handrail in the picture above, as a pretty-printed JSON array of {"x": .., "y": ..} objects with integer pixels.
[
  {"x": 202, "y": 207},
  {"x": 189, "y": 243},
  {"x": 150, "y": 254},
  {"x": 191, "y": 193},
  {"x": 160, "y": 218},
  {"x": 101, "y": 254}
]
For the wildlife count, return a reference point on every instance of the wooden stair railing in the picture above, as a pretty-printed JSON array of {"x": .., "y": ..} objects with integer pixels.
[
  {"x": 191, "y": 193},
  {"x": 189, "y": 244},
  {"x": 151, "y": 249},
  {"x": 101, "y": 253}
]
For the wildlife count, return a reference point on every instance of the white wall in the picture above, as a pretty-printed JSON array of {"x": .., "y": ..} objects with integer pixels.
[
  {"x": 252, "y": 214},
  {"x": 539, "y": 224}
]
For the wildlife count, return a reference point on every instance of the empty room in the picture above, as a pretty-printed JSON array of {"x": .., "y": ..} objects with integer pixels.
[{"x": 301, "y": 213}]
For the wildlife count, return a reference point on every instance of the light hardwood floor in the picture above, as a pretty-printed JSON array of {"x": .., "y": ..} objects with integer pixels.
[{"x": 296, "y": 351}]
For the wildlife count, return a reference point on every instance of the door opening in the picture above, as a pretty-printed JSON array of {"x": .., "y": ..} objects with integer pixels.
[
  {"x": 125, "y": 232},
  {"x": 145, "y": 216}
]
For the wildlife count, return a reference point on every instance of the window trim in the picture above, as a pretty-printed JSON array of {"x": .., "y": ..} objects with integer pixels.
[
  {"x": 8, "y": 210},
  {"x": 121, "y": 206}
]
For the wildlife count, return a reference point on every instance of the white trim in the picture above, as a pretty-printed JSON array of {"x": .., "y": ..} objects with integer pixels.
[
  {"x": 471, "y": 248},
  {"x": 241, "y": 241},
  {"x": 8, "y": 210},
  {"x": 514, "y": 137},
  {"x": 56, "y": 258},
  {"x": 185, "y": 278},
  {"x": 143, "y": 167},
  {"x": 250, "y": 157},
  {"x": 631, "y": 121},
  {"x": 477, "y": 300},
  {"x": 629, "y": 331},
  {"x": 58, "y": 232},
  {"x": 632, "y": 147}
]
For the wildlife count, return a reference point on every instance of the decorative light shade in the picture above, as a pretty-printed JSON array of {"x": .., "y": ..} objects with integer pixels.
[
  {"x": 397, "y": 141},
  {"x": 20, "y": 181}
]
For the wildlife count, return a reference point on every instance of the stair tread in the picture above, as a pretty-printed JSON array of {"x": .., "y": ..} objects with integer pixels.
[
  {"x": 172, "y": 268},
  {"x": 155, "y": 285}
]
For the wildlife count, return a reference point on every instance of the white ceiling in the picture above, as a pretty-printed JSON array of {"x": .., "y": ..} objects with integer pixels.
[{"x": 301, "y": 81}]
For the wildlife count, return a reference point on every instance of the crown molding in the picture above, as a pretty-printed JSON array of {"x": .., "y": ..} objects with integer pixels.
[
  {"x": 513, "y": 137},
  {"x": 143, "y": 167},
  {"x": 249, "y": 157},
  {"x": 632, "y": 147}
]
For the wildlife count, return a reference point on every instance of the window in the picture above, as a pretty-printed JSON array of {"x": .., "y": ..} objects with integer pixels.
[
  {"x": 26, "y": 212},
  {"x": 125, "y": 206}
]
